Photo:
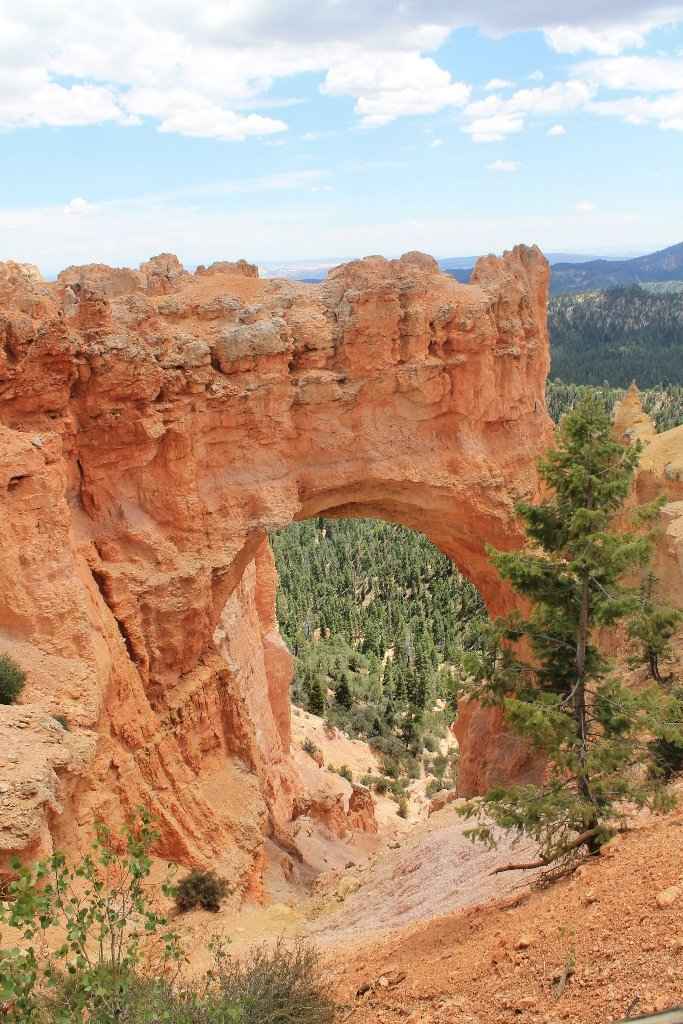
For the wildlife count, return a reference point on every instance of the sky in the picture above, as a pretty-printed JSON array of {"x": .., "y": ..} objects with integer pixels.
[{"x": 278, "y": 130}]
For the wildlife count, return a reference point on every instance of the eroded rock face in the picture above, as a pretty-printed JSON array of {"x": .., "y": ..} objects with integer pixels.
[{"x": 154, "y": 425}]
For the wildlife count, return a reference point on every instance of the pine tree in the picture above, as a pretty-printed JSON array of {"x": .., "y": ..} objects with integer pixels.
[
  {"x": 652, "y": 630},
  {"x": 565, "y": 701},
  {"x": 342, "y": 693},
  {"x": 316, "y": 698}
]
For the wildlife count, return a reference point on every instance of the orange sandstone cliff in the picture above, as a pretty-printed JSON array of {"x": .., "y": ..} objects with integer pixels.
[{"x": 154, "y": 426}]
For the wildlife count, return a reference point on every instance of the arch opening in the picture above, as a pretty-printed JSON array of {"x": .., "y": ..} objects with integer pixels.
[{"x": 380, "y": 623}]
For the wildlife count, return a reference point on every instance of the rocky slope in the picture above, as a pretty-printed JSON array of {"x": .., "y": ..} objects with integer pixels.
[
  {"x": 154, "y": 425},
  {"x": 602, "y": 945}
]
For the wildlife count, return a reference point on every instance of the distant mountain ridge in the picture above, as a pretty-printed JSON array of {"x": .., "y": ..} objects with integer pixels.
[
  {"x": 459, "y": 267},
  {"x": 664, "y": 265}
]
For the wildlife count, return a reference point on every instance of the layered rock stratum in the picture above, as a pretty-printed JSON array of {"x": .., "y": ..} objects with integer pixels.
[{"x": 154, "y": 426}]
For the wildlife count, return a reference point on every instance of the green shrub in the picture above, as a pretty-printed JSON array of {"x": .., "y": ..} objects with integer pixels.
[
  {"x": 310, "y": 747},
  {"x": 201, "y": 889},
  {"x": 346, "y": 773},
  {"x": 430, "y": 743},
  {"x": 434, "y": 787},
  {"x": 103, "y": 908},
  {"x": 667, "y": 758},
  {"x": 403, "y": 807},
  {"x": 12, "y": 679},
  {"x": 280, "y": 985}
]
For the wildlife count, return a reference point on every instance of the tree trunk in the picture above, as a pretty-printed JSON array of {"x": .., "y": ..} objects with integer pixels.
[{"x": 583, "y": 781}]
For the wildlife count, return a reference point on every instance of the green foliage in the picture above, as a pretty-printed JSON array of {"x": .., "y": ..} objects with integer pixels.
[
  {"x": 12, "y": 679},
  {"x": 664, "y": 403},
  {"x": 102, "y": 908},
  {"x": 310, "y": 747},
  {"x": 342, "y": 693},
  {"x": 316, "y": 698},
  {"x": 278, "y": 985},
  {"x": 346, "y": 773},
  {"x": 374, "y": 613},
  {"x": 565, "y": 701},
  {"x": 119, "y": 961},
  {"x": 403, "y": 808},
  {"x": 201, "y": 889},
  {"x": 617, "y": 336},
  {"x": 652, "y": 629}
]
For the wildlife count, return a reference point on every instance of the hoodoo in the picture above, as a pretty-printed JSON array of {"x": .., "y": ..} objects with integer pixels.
[{"x": 154, "y": 426}]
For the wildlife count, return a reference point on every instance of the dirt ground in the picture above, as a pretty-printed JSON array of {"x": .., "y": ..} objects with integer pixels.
[
  {"x": 426, "y": 934},
  {"x": 589, "y": 949}
]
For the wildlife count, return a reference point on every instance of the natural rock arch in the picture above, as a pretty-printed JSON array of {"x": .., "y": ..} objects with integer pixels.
[{"x": 155, "y": 425}]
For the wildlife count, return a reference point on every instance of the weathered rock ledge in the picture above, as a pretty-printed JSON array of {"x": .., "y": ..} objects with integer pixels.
[{"x": 154, "y": 426}]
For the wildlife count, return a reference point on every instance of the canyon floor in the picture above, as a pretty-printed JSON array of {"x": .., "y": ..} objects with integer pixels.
[{"x": 414, "y": 927}]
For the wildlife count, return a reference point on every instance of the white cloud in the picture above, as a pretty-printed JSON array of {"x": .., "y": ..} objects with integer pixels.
[
  {"x": 608, "y": 41},
  {"x": 536, "y": 76},
  {"x": 389, "y": 86},
  {"x": 435, "y": 143},
  {"x": 495, "y": 117},
  {"x": 585, "y": 206},
  {"x": 29, "y": 99},
  {"x": 503, "y": 166},
  {"x": 657, "y": 80},
  {"x": 641, "y": 74},
  {"x": 494, "y": 84},
  {"x": 556, "y": 130},
  {"x": 79, "y": 207},
  {"x": 197, "y": 69},
  {"x": 494, "y": 128},
  {"x": 665, "y": 111}
]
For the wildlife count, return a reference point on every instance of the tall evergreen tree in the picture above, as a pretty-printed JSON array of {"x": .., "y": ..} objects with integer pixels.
[
  {"x": 342, "y": 693},
  {"x": 316, "y": 698},
  {"x": 564, "y": 700}
]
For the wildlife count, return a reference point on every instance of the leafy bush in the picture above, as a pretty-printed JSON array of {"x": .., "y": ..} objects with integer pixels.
[
  {"x": 12, "y": 679},
  {"x": 346, "y": 773},
  {"x": 201, "y": 889},
  {"x": 403, "y": 807},
  {"x": 433, "y": 787},
  {"x": 104, "y": 910},
  {"x": 119, "y": 962},
  {"x": 310, "y": 747},
  {"x": 430, "y": 743},
  {"x": 282, "y": 985}
]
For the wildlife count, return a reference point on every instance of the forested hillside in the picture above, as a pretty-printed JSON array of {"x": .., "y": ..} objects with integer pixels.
[
  {"x": 617, "y": 336},
  {"x": 378, "y": 620},
  {"x": 663, "y": 404}
]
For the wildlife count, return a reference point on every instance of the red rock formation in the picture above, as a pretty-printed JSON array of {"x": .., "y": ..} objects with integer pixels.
[{"x": 154, "y": 425}]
